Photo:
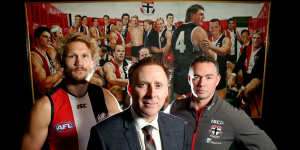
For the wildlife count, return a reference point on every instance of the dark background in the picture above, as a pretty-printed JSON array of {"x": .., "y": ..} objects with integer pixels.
[{"x": 18, "y": 89}]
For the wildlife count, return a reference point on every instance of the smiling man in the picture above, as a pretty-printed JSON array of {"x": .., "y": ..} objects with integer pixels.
[
  {"x": 131, "y": 129},
  {"x": 62, "y": 118}
]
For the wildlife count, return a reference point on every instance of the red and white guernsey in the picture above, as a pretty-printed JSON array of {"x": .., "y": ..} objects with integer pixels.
[{"x": 72, "y": 117}]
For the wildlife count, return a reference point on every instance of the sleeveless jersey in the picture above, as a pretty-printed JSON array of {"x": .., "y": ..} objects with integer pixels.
[
  {"x": 72, "y": 117},
  {"x": 184, "y": 53},
  {"x": 222, "y": 64},
  {"x": 163, "y": 39},
  {"x": 49, "y": 68},
  {"x": 85, "y": 30},
  {"x": 48, "y": 64},
  {"x": 120, "y": 72},
  {"x": 124, "y": 32},
  {"x": 120, "y": 39},
  {"x": 105, "y": 30}
]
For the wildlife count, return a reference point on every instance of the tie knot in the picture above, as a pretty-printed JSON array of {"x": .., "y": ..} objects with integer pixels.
[{"x": 147, "y": 129}]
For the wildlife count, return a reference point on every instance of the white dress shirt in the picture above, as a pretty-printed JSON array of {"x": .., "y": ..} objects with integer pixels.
[{"x": 140, "y": 123}]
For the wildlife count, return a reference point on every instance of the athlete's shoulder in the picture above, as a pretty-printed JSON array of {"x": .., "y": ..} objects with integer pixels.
[{"x": 42, "y": 105}]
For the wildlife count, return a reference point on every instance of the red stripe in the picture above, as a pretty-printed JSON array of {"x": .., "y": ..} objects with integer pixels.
[
  {"x": 198, "y": 117},
  {"x": 46, "y": 67},
  {"x": 117, "y": 72},
  {"x": 62, "y": 113}
]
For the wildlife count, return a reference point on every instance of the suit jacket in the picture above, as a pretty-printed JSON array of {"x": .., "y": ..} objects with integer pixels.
[
  {"x": 119, "y": 133},
  {"x": 258, "y": 68},
  {"x": 151, "y": 39}
]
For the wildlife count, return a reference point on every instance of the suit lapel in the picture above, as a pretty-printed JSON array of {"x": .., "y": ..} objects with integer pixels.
[
  {"x": 130, "y": 131},
  {"x": 165, "y": 132}
]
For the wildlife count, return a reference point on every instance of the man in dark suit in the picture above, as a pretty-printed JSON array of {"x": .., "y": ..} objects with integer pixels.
[
  {"x": 148, "y": 87},
  {"x": 151, "y": 39},
  {"x": 251, "y": 62}
]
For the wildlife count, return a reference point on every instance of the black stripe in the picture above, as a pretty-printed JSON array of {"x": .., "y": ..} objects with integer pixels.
[{"x": 97, "y": 99}]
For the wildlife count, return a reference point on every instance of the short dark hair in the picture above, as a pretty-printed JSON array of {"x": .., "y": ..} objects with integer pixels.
[
  {"x": 245, "y": 30},
  {"x": 230, "y": 19},
  {"x": 125, "y": 14},
  {"x": 94, "y": 19},
  {"x": 106, "y": 16},
  {"x": 38, "y": 31},
  {"x": 205, "y": 57},
  {"x": 169, "y": 14},
  {"x": 78, "y": 16},
  {"x": 192, "y": 10},
  {"x": 144, "y": 62},
  {"x": 83, "y": 17},
  {"x": 215, "y": 20}
]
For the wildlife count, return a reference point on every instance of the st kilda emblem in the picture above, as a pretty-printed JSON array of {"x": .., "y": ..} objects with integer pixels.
[{"x": 147, "y": 8}]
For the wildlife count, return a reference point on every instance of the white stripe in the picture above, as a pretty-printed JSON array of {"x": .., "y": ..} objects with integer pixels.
[{"x": 84, "y": 118}]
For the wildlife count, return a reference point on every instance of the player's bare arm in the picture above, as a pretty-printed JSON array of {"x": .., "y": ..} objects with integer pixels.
[
  {"x": 37, "y": 131},
  {"x": 109, "y": 71},
  {"x": 112, "y": 104}
]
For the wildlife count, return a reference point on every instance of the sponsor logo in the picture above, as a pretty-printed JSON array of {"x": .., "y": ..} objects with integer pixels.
[
  {"x": 81, "y": 106},
  {"x": 64, "y": 126},
  {"x": 218, "y": 122}
]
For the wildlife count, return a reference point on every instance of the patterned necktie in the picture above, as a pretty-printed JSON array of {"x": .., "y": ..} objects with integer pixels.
[{"x": 149, "y": 142}]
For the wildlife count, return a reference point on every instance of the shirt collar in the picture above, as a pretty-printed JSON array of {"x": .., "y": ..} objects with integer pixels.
[
  {"x": 140, "y": 122},
  {"x": 209, "y": 105}
]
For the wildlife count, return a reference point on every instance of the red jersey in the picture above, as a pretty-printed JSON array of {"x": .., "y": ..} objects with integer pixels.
[{"x": 72, "y": 117}]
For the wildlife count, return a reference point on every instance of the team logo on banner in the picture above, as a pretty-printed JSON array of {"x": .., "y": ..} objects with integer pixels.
[{"x": 147, "y": 8}]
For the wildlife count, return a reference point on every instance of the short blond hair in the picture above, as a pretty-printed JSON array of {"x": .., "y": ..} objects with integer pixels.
[
  {"x": 73, "y": 37},
  {"x": 135, "y": 16}
]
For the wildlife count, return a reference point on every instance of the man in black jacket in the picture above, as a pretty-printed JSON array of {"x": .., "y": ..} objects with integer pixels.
[
  {"x": 151, "y": 39},
  {"x": 214, "y": 124},
  {"x": 251, "y": 62}
]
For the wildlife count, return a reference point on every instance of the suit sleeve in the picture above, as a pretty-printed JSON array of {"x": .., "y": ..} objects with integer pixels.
[
  {"x": 95, "y": 141},
  {"x": 258, "y": 69},
  {"x": 240, "y": 61},
  {"x": 249, "y": 134},
  {"x": 154, "y": 39}
]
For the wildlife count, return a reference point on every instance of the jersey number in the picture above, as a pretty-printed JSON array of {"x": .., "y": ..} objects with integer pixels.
[{"x": 180, "y": 43}]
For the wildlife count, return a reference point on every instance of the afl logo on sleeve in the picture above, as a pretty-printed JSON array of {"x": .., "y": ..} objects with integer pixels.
[{"x": 64, "y": 126}]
